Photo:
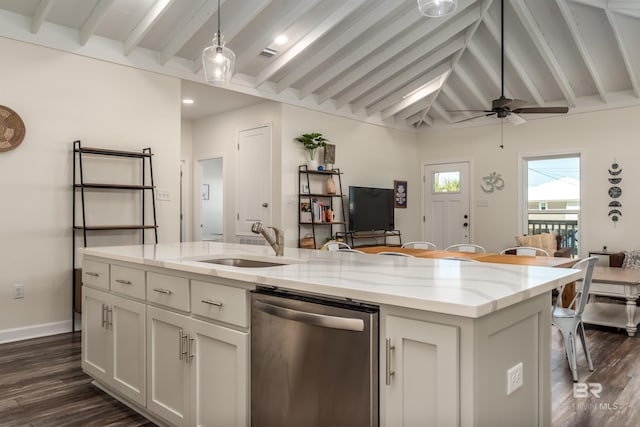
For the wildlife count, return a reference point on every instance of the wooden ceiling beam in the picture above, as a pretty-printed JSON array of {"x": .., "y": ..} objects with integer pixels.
[
  {"x": 95, "y": 17},
  {"x": 368, "y": 56},
  {"x": 197, "y": 17},
  {"x": 569, "y": 19},
  {"x": 401, "y": 61},
  {"x": 150, "y": 18},
  {"x": 623, "y": 48},
  {"x": 324, "y": 54},
  {"x": 531, "y": 27},
  {"x": 514, "y": 61},
  {"x": 484, "y": 7},
  {"x": 41, "y": 13},
  {"x": 334, "y": 18}
]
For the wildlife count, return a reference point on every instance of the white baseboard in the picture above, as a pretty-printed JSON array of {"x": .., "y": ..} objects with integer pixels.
[{"x": 35, "y": 331}]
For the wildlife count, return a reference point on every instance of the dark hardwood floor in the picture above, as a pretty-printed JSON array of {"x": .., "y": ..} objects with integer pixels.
[{"x": 42, "y": 384}]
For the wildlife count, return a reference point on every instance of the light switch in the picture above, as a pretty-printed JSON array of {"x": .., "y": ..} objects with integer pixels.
[{"x": 163, "y": 195}]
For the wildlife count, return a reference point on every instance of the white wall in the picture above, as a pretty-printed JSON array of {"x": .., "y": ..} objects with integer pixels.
[
  {"x": 212, "y": 209},
  {"x": 217, "y": 136},
  {"x": 63, "y": 97},
  {"x": 600, "y": 137},
  {"x": 186, "y": 158},
  {"x": 368, "y": 155}
]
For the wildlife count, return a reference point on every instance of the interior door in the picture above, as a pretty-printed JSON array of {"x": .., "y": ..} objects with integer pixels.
[
  {"x": 254, "y": 178},
  {"x": 446, "y": 214}
]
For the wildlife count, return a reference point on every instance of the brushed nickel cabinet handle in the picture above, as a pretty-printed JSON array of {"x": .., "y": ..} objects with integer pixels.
[
  {"x": 212, "y": 302},
  {"x": 163, "y": 291},
  {"x": 103, "y": 316},
  {"x": 124, "y": 282},
  {"x": 185, "y": 348},
  {"x": 109, "y": 317},
  {"x": 191, "y": 345},
  {"x": 179, "y": 344},
  {"x": 91, "y": 273},
  {"x": 389, "y": 372}
]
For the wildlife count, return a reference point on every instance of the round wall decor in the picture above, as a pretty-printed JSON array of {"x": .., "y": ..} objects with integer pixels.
[{"x": 11, "y": 129}]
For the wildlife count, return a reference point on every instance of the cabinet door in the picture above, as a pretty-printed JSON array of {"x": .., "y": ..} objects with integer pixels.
[
  {"x": 96, "y": 338},
  {"x": 127, "y": 323},
  {"x": 167, "y": 368},
  {"x": 424, "y": 390},
  {"x": 219, "y": 376}
]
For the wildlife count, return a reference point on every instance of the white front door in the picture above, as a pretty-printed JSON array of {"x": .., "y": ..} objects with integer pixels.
[
  {"x": 446, "y": 214},
  {"x": 254, "y": 178}
]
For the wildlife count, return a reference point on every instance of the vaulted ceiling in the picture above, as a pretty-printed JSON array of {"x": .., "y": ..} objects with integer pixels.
[{"x": 375, "y": 60}]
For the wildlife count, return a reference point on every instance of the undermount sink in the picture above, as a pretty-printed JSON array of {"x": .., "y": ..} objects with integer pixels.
[{"x": 243, "y": 262}]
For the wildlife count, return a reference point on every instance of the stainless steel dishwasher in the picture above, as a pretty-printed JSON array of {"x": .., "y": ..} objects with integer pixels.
[{"x": 314, "y": 362}]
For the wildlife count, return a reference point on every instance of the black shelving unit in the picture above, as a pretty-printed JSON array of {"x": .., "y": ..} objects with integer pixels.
[
  {"x": 312, "y": 180},
  {"x": 79, "y": 184}
]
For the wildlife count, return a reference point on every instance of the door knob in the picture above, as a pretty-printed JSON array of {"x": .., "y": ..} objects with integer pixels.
[{"x": 265, "y": 205}]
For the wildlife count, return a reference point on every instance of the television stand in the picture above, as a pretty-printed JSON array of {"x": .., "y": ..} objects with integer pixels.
[{"x": 372, "y": 238}]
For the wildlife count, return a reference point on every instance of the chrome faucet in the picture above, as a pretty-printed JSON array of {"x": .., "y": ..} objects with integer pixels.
[{"x": 277, "y": 244}]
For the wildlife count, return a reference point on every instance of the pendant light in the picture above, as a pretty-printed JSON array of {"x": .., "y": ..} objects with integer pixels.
[
  {"x": 218, "y": 60},
  {"x": 437, "y": 8}
]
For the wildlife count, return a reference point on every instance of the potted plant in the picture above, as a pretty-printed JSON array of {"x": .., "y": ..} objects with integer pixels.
[{"x": 311, "y": 142}]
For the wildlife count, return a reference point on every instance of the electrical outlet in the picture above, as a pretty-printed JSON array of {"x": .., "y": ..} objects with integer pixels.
[
  {"x": 514, "y": 378},
  {"x": 18, "y": 291},
  {"x": 163, "y": 195}
]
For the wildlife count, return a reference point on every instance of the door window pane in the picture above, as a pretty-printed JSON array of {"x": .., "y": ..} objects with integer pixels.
[{"x": 446, "y": 182}]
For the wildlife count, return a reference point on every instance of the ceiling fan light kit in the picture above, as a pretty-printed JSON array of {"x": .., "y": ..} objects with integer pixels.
[
  {"x": 218, "y": 60},
  {"x": 437, "y": 8}
]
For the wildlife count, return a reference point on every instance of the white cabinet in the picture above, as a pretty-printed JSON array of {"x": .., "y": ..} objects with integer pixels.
[
  {"x": 167, "y": 365},
  {"x": 197, "y": 371},
  {"x": 113, "y": 339},
  {"x": 419, "y": 373}
]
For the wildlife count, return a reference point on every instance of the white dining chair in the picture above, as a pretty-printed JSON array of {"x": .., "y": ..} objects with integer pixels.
[
  {"x": 334, "y": 246},
  {"x": 420, "y": 245},
  {"x": 569, "y": 320},
  {"x": 465, "y": 247},
  {"x": 392, "y": 253},
  {"x": 525, "y": 250},
  {"x": 355, "y": 251}
]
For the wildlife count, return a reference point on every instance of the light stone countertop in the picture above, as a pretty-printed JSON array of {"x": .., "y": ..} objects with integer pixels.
[{"x": 469, "y": 289}]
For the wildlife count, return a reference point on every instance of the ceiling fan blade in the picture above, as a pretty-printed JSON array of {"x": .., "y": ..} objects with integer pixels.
[
  {"x": 469, "y": 111},
  {"x": 515, "y": 104},
  {"x": 475, "y": 117},
  {"x": 515, "y": 119},
  {"x": 541, "y": 110}
]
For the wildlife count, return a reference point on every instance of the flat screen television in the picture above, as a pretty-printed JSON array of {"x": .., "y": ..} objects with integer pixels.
[{"x": 370, "y": 209}]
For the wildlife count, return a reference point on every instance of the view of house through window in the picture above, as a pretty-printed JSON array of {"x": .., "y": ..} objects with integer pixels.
[{"x": 553, "y": 197}]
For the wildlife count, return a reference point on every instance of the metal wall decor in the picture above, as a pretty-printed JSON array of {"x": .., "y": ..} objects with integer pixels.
[
  {"x": 615, "y": 191},
  {"x": 492, "y": 182}
]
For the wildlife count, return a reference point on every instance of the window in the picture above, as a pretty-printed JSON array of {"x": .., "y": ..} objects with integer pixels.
[
  {"x": 446, "y": 182},
  {"x": 553, "y": 197}
]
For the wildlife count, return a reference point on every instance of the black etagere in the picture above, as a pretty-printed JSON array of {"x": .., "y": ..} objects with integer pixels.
[
  {"x": 79, "y": 221},
  {"x": 335, "y": 202}
]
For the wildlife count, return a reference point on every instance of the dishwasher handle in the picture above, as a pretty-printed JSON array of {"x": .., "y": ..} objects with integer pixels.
[{"x": 322, "y": 320}]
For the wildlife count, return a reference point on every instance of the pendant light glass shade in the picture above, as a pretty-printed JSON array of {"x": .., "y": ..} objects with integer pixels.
[
  {"x": 437, "y": 8},
  {"x": 218, "y": 62}
]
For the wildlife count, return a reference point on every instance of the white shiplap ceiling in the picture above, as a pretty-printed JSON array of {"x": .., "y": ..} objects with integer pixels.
[{"x": 361, "y": 58}]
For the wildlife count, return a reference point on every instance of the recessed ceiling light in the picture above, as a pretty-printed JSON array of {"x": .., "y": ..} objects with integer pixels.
[
  {"x": 187, "y": 101},
  {"x": 281, "y": 39}
]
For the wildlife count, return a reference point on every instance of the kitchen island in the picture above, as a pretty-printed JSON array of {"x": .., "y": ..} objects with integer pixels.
[{"x": 168, "y": 333}]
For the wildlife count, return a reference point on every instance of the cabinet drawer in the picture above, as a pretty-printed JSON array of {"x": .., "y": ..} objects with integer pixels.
[
  {"x": 170, "y": 291},
  {"x": 128, "y": 281},
  {"x": 95, "y": 274},
  {"x": 220, "y": 302}
]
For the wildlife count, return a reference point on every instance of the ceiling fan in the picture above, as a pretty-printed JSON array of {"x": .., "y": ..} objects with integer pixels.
[{"x": 504, "y": 107}]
